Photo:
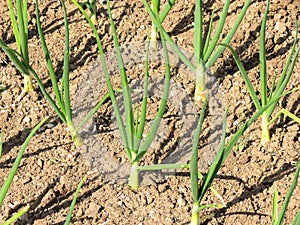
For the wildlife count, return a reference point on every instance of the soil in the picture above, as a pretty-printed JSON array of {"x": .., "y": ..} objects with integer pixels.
[{"x": 52, "y": 166}]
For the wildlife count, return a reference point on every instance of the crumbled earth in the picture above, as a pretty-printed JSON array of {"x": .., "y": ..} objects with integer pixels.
[{"x": 52, "y": 166}]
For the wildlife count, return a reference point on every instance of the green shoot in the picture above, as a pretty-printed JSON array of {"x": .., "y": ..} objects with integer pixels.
[
  {"x": 2, "y": 87},
  {"x": 156, "y": 8},
  {"x": 287, "y": 113},
  {"x": 16, "y": 215},
  {"x": 206, "y": 54},
  {"x": 266, "y": 96},
  {"x": 199, "y": 192},
  {"x": 91, "y": 5},
  {"x": 68, "y": 220},
  {"x": 13, "y": 172},
  {"x": 296, "y": 219},
  {"x": 278, "y": 219},
  {"x": 19, "y": 22}
]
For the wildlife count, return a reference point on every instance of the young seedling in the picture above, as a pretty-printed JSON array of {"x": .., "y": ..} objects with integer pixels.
[
  {"x": 19, "y": 22},
  {"x": 277, "y": 219},
  {"x": 206, "y": 53},
  {"x": 276, "y": 90},
  {"x": 13, "y": 172},
  {"x": 21, "y": 61}
]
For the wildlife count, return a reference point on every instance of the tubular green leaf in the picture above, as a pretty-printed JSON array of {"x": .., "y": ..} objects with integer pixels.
[
  {"x": 194, "y": 159},
  {"x": 47, "y": 96},
  {"x": 168, "y": 38},
  {"x": 126, "y": 90},
  {"x": 107, "y": 78},
  {"x": 141, "y": 126},
  {"x": 216, "y": 54},
  {"x": 17, "y": 162},
  {"x": 262, "y": 59},
  {"x": 69, "y": 216},
  {"x": 218, "y": 31},
  {"x": 65, "y": 78},
  {"x": 296, "y": 220},
  {"x": 48, "y": 60},
  {"x": 245, "y": 77},
  {"x": 286, "y": 73},
  {"x": 209, "y": 32},
  {"x": 17, "y": 215},
  {"x": 166, "y": 10},
  {"x": 198, "y": 32},
  {"x": 275, "y": 208},
  {"x": 215, "y": 167},
  {"x": 163, "y": 167},
  {"x": 14, "y": 23},
  {"x": 288, "y": 195},
  {"x": 13, "y": 56},
  {"x": 162, "y": 106}
]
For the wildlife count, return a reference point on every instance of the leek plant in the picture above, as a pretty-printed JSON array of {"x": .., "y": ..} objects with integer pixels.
[
  {"x": 276, "y": 89},
  {"x": 132, "y": 128},
  {"x": 277, "y": 219},
  {"x": 13, "y": 172},
  {"x": 19, "y": 20},
  {"x": 206, "y": 52}
]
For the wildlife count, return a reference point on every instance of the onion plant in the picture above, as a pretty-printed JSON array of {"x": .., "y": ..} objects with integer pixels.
[
  {"x": 19, "y": 21},
  {"x": 277, "y": 219},
  {"x": 267, "y": 94},
  {"x": 21, "y": 61},
  {"x": 206, "y": 52},
  {"x": 132, "y": 128},
  {"x": 61, "y": 103},
  {"x": 12, "y": 173},
  {"x": 199, "y": 190}
]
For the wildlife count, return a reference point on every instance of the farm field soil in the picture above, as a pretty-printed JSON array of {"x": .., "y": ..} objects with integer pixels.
[{"x": 52, "y": 166}]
